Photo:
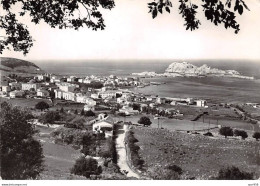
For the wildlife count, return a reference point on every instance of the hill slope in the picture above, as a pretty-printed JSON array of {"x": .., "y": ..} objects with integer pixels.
[{"x": 17, "y": 65}]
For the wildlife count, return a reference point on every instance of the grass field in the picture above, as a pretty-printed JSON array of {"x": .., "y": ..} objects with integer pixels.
[
  {"x": 199, "y": 156},
  {"x": 59, "y": 159},
  {"x": 23, "y": 102}
]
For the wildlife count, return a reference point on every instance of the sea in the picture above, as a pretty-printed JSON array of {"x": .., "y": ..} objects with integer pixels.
[
  {"x": 210, "y": 88},
  {"x": 126, "y": 67}
]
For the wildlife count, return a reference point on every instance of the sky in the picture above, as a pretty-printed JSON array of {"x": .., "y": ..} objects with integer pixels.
[{"x": 132, "y": 34}]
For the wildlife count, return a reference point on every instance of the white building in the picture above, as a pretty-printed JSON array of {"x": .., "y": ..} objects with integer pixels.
[
  {"x": 67, "y": 87},
  {"x": 16, "y": 93},
  {"x": 15, "y": 85},
  {"x": 71, "y": 79},
  {"x": 201, "y": 103},
  {"x": 104, "y": 127},
  {"x": 43, "y": 93},
  {"x": 109, "y": 93},
  {"x": 94, "y": 96},
  {"x": 160, "y": 100},
  {"x": 6, "y": 89},
  {"x": 65, "y": 95},
  {"x": 28, "y": 86},
  {"x": 41, "y": 77},
  {"x": 128, "y": 110}
]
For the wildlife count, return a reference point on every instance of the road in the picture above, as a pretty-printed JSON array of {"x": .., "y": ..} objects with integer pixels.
[{"x": 122, "y": 159}]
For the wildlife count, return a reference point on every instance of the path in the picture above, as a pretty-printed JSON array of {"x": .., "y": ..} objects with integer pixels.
[{"x": 122, "y": 159}]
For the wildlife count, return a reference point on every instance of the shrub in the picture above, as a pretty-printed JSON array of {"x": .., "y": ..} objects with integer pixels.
[
  {"x": 233, "y": 173},
  {"x": 226, "y": 131},
  {"x": 208, "y": 134},
  {"x": 171, "y": 172},
  {"x": 241, "y": 133},
  {"x": 145, "y": 121},
  {"x": 69, "y": 135},
  {"x": 49, "y": 117},
  {"x": 135, "y": 158},
  {"x": 86, "y": 167},
  {"x": 42, "y": 105},
  {"x": 256, "y": 135},
  {"x": 89, "y": 113}
]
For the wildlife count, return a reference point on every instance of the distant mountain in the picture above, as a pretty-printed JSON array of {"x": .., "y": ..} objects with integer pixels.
[
  {"x": 17, "y": 65},
  {"x": 185, "y": 69}
]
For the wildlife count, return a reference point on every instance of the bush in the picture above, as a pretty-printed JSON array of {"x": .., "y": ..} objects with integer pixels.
[
  {"x": 226, "y": 131},
  {"x": 241, "y": 133},
  {"x": 50, "y": 117},
  {"x": 69, "y": 135},
  {"x": 135, "y": 158},
  {"x": 145, "y": 121},
  {"x": 171, "y": 172},
  {"x": 89, "y": 113},
  {"x": 42, "y": 105},
  {"x": 208, "y": 134},
  {"x": 86, "y": 167},
  {"x": 256, "y": 135},
  {"x": 233, "y": 173}
]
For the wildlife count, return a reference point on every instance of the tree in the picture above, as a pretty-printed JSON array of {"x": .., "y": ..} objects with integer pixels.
[
  {"x": 42, "y": 105},
  {"x": 67, "y": 14},
  {"x": 233, "y": 173},
  {"x": 226, "y": 131},
  {"x": 90, "y": 113},
  {"x": 136, "y": 107},
  {"x": 241, "y": 133},
  {"x": 62, "y": 110},
  {"x": 170, "y": 172},
  {"x": 86, "y": 167},
  {"x": 145, "y": 121},
  {"x": 82, "y": 113},
  {"x": 21, "y": 155},
  {"x": 49, "y": 117},
  {"x": 256, "y": 135}
]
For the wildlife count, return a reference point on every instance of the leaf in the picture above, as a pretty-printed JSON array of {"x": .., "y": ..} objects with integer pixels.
[
  {"x": 229, "y": 4},
  {"x": 240, "y": 9},
  {"x": 167, "y": 9},
  {"x": 154, "y": 13},
  {"x": 152, "y": 4}
]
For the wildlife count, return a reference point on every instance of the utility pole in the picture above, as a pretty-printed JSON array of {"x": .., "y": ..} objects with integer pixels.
[{"x": 209, "y": 125}]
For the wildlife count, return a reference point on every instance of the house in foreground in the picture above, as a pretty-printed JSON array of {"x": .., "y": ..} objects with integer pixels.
[{"x": 104, "y": 125}]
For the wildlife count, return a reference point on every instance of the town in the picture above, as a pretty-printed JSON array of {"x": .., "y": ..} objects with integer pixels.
[{"x": 70, "y": 106}]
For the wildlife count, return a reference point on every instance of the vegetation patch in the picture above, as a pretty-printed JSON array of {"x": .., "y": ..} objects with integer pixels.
[
  {"x": 199, "y": 156},
  {"x": 134, "y": 148}
]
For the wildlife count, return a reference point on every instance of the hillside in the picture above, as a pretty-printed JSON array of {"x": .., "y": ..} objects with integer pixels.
[{"x": 14, "y": 65}]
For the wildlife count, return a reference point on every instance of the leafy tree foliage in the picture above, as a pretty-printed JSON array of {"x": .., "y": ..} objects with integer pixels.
[
  {"x": 68, "y": 14},
  {"x": 49, "y": 117},
  {"x": 42, "y": 105},
  {"x": 145, "y": 121},
  {"x": 215, "y": 10},
  {"x": 170, "y": 172},
  {"x": 226, "y": 131},
  {"x": 89, "y": 113},
  {"x": 86, "y": 167},
  {"x": 233, "y": 173},
  {"x": 256, "y": 135},
  {"x": 21, "y": 154},
  {"x": 241, "y": 133}
]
